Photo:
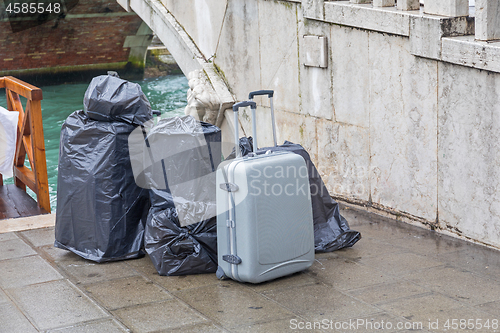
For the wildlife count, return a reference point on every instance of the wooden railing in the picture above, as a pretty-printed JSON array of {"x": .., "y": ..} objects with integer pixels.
[{"x": 30, "y": 140}]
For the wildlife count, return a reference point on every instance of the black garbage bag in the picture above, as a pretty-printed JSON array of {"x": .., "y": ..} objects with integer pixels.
[
  {"x": 246, "y": 147},
  {"x": 109, "y": 98},
  {"x": 181, "y": 234},
  {"x": 176, "y": 250},
  {"x": 331, "y": 230},
  {"x": 101, "y": 212}
]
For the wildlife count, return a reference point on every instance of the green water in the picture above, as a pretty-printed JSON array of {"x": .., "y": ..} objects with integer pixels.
[{"x": 167, "y": 94}]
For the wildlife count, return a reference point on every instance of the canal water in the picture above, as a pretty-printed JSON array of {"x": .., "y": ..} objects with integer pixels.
[{"x": 167, "y": 94}]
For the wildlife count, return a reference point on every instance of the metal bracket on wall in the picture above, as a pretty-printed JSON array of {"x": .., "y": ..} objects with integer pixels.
[{"x": 316, "y": 51}]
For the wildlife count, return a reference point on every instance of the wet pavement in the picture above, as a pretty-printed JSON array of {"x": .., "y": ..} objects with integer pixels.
[{"x": 397, "y": 278}]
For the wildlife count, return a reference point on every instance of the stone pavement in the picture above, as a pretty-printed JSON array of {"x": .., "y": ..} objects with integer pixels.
[{"x": 396, "y": 278}]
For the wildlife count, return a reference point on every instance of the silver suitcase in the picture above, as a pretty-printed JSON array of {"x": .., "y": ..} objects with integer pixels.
[{"x": 264, "y": 213}]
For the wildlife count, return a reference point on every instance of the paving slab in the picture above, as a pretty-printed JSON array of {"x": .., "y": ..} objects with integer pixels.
[
  {"x": 294, "y": 280},
  {"x": 385, "y": 229},
  {"x": 86, "y": 272},
  {"x": 388, "y": 291},
  {"x": 430, "y": 244},
  {"x": 126, "y": 292},
  {"x": 473, "y": 258},
  {"x": 284, "y": 325},
  {"x": 163, "y": 315},
  {"x": 15, "y": 248},
  {"x": 465, "y": 287},
  {"x": 56, "y": 304},
  {"x": 365, "y": 248},
  {"x": 457, "y": 319},
  {"x": 56, "y": 254},
  {"x": 344, "y": 274},
  {"x": 13, "y": 321},
  {"x": 354, "y": 216},
  {"x": 25, "y": 271},
  {"x": 400, "y": 263},
  {"x": 317, "y": 302},
  {"x": 7, "y": 236},
  {"x": 39, "y": 237},
  {"x": 143, "y": 265},
  {"x": 421, "y": 308},
  {"x": 491, "y": 307},
  {"x": 3, "y": 297},
  {"x": 176, "y": 283},
  {"x": 380, "y": 322},
  {"x": 200, "y": 328},
  {"x": 231, "y": 304},
  {"x": 101, "y": 326}
]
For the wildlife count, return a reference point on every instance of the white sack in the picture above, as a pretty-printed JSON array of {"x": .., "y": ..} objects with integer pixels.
[{"x": 8, "y": 135}]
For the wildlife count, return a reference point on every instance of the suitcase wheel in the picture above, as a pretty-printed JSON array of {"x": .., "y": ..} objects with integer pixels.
[{"x": 220, "y": 273}]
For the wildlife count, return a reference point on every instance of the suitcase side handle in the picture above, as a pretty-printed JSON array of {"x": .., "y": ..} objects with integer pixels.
[
  {"x": 236, "y": 106},
  {"x": 270, "y": 94}
]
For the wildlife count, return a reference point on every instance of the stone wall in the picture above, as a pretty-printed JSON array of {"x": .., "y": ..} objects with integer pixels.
[{"x": 404, "y": 118}]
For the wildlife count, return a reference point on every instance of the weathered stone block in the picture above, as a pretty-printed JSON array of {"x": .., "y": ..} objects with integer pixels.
[
  {"x": 298, "y": 129},
  {"x": 487, "y": 19},
  {"x": 469, "y": 158},
  {"x": 279, "y": 55},
  {"x": 360, "y": 1},
  {"x": 403, "y": 133},
  {"x": 351, "y": 76},
  {"x": 427, "y": 32},
  {"x": 408, "y": 4},
  {"x": 387, "y": 19},
  {"x": 238, "y": 54},
  {"x": 384, "y": 3},
  {"x": 447, "y": 8},
  {"x": 469, "y": 52},
  {"x": 425, "y": 37},
  {"x": 313, "y": 9},
  {"x": 344, "y": 159},
  {"x": 315, "y": 83},
  {"x": 264, "y": 125}
]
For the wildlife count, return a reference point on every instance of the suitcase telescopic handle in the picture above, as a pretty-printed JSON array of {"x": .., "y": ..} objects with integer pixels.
[
  {"x": 270, "y": 94},
  {"x": 236, "y": 106},
  {"x": 244, "y": 104}
]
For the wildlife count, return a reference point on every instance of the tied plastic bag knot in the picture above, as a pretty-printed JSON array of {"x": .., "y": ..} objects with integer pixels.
[
  {"x": 182, "y": 246},
  {"x": 109, "y": 98}
]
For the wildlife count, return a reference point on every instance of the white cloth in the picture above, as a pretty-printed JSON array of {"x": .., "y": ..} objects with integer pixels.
[{"x": 8, "y": 136}]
